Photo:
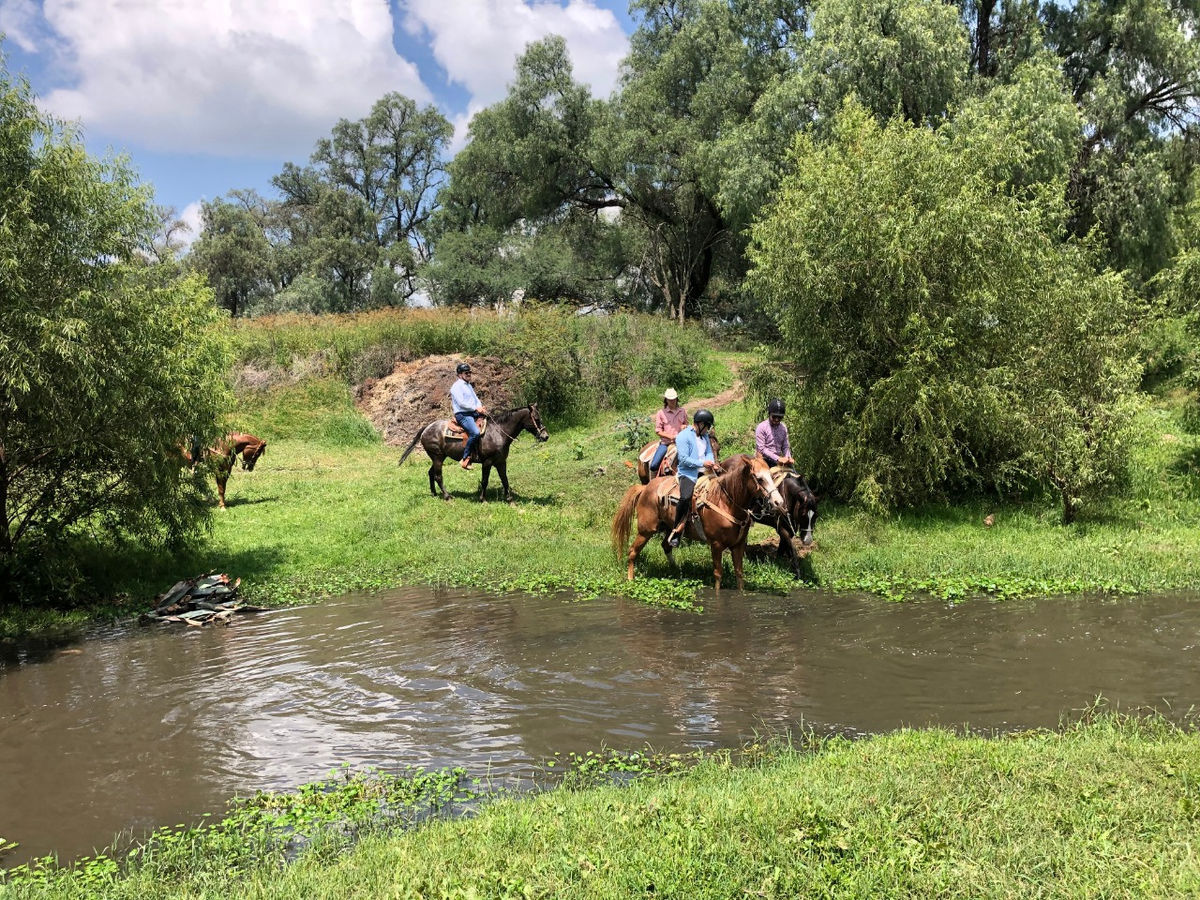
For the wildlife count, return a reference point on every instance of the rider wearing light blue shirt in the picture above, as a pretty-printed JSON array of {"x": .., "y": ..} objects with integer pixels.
[
  {"x": 466, "y": 406},
  {"x": 693, "y": 450}
]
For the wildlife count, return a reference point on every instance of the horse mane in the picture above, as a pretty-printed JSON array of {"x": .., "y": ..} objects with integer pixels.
[
  {"x": 733, "y": 480},
  {"x": 506, "y": 415}
]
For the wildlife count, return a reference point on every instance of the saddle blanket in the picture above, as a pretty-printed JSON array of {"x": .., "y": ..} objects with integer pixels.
[
  {"x": 454, "y": 433},
  {"x": 668, "y": 491}
]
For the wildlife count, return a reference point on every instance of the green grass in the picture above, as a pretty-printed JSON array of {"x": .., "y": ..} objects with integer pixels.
[
  {"x": 327, "y": 511},
  {"x": 1106, "y": 808}
]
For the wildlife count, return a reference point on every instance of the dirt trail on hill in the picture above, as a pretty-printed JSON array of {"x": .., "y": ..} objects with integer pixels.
[{"x": 727, "y": 396}]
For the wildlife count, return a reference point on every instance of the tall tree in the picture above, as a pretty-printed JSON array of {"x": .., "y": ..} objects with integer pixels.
[
  {"x": 233, "y": 254},
  {"x": 1134, "y": 71},
  {"x": 107, "y": 364},
  {"x": 937, "y": 314},
  {"x": 393, "y": 161}
]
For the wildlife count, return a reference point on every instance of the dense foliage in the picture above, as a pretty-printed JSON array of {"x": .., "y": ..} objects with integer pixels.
[
  {"x": 950, "y": 335},
  {"x": 106, "y": 363}
]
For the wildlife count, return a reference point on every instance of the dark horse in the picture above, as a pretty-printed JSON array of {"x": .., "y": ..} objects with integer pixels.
[
  {"x": 801, "y": 516},
  {"x": 492, "y": 449},
  {"x": 221, "y": 457},
  {"x": 721, "y": 513}
]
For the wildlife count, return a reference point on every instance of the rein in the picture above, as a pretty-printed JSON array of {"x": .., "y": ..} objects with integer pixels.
[
  {"x": 511, "y": 437},
  {"x": 738, "y": 522}
]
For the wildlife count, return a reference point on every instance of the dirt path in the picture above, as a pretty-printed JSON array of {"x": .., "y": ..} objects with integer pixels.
[{"x": 727, "y": 396}]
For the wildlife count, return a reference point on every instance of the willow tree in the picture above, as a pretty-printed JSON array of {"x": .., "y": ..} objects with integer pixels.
[
  {"x": 106, "y": 363},
  {"x": 951, "y": 336}
]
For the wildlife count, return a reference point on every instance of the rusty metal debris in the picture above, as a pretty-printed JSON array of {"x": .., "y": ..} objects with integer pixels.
[{"x": 210, "y": 599}]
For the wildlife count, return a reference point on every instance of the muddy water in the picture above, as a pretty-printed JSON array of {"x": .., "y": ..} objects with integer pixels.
[{"x": 143, "y": 727}]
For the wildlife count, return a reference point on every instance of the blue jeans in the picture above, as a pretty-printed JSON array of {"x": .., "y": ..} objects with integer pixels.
[
  {"x": 466, "y": 421},
  {"x": 658, "y": 458}
]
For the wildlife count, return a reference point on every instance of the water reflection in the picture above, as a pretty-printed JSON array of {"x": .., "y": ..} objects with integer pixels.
[{"x": 145, "y": 727}]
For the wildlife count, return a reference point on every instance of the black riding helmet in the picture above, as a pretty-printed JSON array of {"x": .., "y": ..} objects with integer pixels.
[
  {"x": 703, "y": 417},
  {"x": 775, "y": 407},
  {"x": 463, "y": 367}
]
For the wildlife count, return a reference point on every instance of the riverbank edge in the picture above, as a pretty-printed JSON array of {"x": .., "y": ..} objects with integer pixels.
[{"x": 1106, "y": 806}]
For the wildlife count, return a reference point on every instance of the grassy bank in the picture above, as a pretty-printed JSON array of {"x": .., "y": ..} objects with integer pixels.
[
  {"x": 1108, "y": 808},
  {"x": 328, "y": 511},
  {"x": 332, "y": 513}
]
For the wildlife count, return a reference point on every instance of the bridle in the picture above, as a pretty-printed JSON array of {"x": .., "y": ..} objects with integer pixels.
[{"x": 533, "y": 420}]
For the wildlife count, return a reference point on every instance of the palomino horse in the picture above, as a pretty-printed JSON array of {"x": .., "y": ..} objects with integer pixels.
[
  {"x": 221, "y": 457},
  {"x": 800, "y": 518},
  {"x": 492, "y": 449},
  {"x": 721, "y": 517}
]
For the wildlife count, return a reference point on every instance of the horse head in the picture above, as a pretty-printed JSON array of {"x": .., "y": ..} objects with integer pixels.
[
  {"x": 535, "y": 426},
  {"x": 250, "y": 448},
  {"x": 803, "y": 507},
  {"x": 763, "y": 484}
]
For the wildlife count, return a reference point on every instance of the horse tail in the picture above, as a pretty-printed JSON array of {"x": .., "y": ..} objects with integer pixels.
[
  {"x": 416, "y": 437},
  {"x": 621, "y": 521}
]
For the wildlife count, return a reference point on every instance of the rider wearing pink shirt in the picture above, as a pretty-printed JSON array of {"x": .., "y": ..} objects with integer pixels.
[
  {"x": 771, "y": 437},
  {"x": 668, "y": 422}
]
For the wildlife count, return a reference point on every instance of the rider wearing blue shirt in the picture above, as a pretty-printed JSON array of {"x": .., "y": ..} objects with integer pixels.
[
  {"x": 466, "y": 406},
  {"x": 693, "y": 452}
]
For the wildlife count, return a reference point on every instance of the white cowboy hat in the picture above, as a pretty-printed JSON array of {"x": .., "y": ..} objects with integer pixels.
[{"x": 669, "y": 394}]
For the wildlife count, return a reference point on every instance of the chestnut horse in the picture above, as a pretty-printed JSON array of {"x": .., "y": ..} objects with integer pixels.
[
  {"x": 222, "y": 456},
  {"x": 722, "y": 517}
]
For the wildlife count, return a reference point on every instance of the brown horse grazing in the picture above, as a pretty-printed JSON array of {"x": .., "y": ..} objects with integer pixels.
[
  {"x": 222, "y": 456},
  {"x": 492, "y": 449},
  {"x": 720, "y": 514}
]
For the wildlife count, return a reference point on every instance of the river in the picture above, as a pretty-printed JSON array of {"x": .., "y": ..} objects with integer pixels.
[{"x": 136, "y": 727}]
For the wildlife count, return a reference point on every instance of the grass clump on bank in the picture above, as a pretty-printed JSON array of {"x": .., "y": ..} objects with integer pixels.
[{"x": 1107, "y": 807}]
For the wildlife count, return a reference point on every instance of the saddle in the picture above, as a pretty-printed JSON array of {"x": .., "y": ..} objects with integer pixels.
[
  {"x": 668, "y": 492},
  {"x": 667, "y": 466},
  {"x": 454, "y": 433},
  {"x": 779, "y": 473}
]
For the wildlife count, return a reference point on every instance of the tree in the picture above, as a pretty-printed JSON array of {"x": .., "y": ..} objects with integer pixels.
[
  {"x": 232, "y": 252},
  {"x": 105, "y": 365},
  {"x": 1133, "y": 67},
  {"x": 392, "y": 160},
  {"x": 950, "y": 338}
]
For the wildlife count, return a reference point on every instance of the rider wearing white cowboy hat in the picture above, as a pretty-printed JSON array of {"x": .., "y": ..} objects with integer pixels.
[{"x": 668, "y": 422}]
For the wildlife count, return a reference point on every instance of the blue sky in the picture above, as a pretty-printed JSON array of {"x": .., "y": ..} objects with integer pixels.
[{"x": 210, "y": 95}]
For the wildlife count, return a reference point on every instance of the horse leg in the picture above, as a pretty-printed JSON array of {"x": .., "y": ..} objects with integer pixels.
[
  {"x": 669, "y": 551},
  {"x": 736, "y": 552},
  {"x": 635, "y": 549},
  {"x": 502, "y": 471},
  {"x": 221, "y": 481},
  {"x": 487, "y": 470},
  {"x": 717, "y": 550},
  {"x": 435, "y": 478}
]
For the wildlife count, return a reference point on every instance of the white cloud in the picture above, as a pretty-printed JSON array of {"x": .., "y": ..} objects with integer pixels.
[
  {"x": 19, "y": 20},
  {"x": 229, "y": 77},
  {"x": 477, "y": 42},
  {"x": 195, "y": 223}
]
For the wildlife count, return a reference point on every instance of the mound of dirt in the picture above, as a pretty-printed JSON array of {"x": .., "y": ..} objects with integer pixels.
[{"x": 418, "y": 392}]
